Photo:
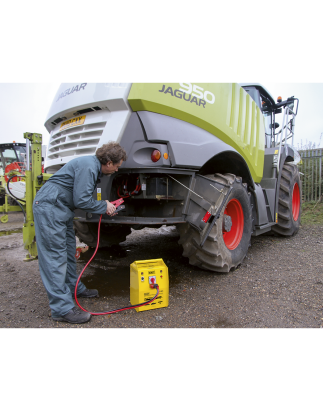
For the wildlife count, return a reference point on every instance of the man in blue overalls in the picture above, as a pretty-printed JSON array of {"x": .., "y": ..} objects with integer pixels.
[{"x": 69, "y": 188}]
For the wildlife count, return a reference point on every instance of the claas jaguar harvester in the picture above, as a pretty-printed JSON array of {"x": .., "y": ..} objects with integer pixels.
[{"x": 208, "y": 158}]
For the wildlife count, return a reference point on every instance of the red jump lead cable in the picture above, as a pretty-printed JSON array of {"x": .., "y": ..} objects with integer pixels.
[{"x": 113, "y": 311}]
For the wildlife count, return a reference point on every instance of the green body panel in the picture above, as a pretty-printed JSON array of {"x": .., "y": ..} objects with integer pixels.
[
  {"x": 223, "y": 109},
  {"x": 32, "y": 186},
  {"x": 28, "y": 234}
]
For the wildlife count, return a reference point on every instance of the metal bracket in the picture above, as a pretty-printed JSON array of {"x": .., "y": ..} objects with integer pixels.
[
  {"x": 216, "y": 216},
  {"x": 40, "y": 179}
]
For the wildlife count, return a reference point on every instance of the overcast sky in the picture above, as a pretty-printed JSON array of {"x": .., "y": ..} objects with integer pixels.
[{"x": 24, "y": 107}]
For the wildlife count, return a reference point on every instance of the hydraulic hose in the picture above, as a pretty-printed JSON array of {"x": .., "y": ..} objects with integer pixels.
[{"x": 119, "y": 309}]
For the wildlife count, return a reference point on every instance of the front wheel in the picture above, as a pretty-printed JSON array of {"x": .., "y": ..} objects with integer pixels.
[
  {"x": 229, "y": 239},
  {"x": 289, "y": 202}
]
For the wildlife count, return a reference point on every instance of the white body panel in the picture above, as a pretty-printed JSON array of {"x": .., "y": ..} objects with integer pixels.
[
  {"x": 18, "y": 189},
  {"x": 106, "y": 122}
]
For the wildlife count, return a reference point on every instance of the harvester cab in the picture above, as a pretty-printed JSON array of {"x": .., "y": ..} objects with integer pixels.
[
  {"x": 280, "y": 183},
  {"x": 285, "y": 134},
  {"x": 11, "y": 153},
  {"x": 12, "y": 161},
  {"x": 271, "y": 109}
]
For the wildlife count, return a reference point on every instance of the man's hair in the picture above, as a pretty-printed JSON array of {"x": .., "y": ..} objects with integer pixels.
[{"x": 111, "y": 152}]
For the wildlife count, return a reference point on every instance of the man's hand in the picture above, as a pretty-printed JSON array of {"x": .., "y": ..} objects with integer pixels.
[{"x": 110, "y": 208}]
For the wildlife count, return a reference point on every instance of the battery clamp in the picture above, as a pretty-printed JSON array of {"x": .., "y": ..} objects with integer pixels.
[{"x": 118, "y": 204}]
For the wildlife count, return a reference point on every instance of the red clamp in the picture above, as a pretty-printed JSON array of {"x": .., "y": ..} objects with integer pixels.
[{"x": 117, "y": 204}]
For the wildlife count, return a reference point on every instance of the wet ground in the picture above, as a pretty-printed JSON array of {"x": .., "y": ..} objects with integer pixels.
[{"x": 278, "y": 285}]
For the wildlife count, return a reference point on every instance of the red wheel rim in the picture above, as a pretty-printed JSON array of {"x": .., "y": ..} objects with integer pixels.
[
  {"x": 12, "y": 166},
  {"x": 233, "y": 237},
  {"x": 296, "y": 202}
]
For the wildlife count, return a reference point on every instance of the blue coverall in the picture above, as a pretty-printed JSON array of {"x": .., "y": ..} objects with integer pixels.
[{"x": 69, "y": 188}]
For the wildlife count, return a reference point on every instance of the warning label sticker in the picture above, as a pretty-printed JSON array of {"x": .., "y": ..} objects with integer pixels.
[{"x": 73, "y": 122}]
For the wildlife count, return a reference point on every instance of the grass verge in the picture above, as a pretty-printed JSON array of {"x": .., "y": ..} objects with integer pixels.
[{"x": 312, "y": 214}]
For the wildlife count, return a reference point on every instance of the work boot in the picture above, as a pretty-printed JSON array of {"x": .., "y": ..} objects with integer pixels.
[
  {"x": 88, "y": 293},
  {"x": 74, "y": 316}
]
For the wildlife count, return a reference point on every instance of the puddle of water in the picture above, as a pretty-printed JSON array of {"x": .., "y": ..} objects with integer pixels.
[
  {"x": 109, "y": 272},
  {"x": 110, "y": 281},
  {"x": 19, "y": 230}
]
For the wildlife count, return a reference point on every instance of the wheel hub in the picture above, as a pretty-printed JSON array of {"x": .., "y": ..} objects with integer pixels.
[
  {"x": 234, "y": 212},
  {"x": 227, "y": 223}
]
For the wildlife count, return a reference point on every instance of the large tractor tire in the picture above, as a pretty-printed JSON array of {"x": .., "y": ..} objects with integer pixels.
[
  {"x": 223, "y": 250},
  {"x": 289, "y": 202},
  {"x": 109, "y": 235}
]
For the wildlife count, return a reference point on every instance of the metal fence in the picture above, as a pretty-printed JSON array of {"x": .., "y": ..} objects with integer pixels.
[{"x": 311, "y": 174}]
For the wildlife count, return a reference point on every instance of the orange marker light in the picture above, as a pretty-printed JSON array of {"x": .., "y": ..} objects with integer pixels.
[
  {"x": 279, "y": 99},
  {"x": 155, "y": 156},
  {"x": 165, "y": 156}
]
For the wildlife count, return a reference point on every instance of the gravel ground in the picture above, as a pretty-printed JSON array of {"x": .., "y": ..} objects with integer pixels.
[{"x": 278, "y": 285}]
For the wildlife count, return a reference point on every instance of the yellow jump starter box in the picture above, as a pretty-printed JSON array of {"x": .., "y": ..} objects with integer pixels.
[{"x": 142, "y": 274}]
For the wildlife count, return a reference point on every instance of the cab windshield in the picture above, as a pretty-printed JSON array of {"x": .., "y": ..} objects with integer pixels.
[{"x": 9, "y": 155}]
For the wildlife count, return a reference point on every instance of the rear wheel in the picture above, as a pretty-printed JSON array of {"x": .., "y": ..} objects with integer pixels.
[
  {"x": 229, "y": 239},
  {"x": 289, "y": 202},
  {"x": 109, "y": 235}
]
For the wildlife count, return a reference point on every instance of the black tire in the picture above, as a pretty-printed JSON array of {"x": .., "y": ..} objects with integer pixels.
[
  {"x": 287, "y": 225},
  {"x": 109, "y": 235},
  {"x": 215, "y": 255}
]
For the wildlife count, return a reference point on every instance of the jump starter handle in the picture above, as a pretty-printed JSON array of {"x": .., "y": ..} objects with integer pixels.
[{"x": 117, "y": 204}]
